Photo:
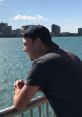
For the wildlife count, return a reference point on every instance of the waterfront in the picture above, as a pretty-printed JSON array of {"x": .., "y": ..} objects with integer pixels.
[{"x": 15, "y": 64}]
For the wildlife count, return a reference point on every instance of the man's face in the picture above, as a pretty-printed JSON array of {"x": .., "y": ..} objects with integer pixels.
[{"x": 29, "y": 47}]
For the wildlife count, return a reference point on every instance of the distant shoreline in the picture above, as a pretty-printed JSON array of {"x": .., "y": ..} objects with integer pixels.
[
  {"x": 68, "y": 36},
  {"x": 51, "y": 36}
]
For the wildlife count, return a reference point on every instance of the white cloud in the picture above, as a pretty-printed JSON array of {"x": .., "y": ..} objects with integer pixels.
[{"x": 25, "y": 17}]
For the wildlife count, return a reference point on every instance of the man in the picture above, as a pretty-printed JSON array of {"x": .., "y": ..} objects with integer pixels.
[{"x": 56, "y": 72}]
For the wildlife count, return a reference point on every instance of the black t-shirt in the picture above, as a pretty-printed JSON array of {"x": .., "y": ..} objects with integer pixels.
[{"x": 59, "y": 75}]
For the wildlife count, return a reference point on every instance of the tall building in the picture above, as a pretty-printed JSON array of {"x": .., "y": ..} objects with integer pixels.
[
  {"x": 79, "y": 31},
  {"x": 2, "y": 26},
  {"x": 55, "y": 30},
  {"x": 5, "y": 30}
]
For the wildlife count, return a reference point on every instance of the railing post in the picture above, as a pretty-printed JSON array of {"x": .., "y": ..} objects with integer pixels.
[
  {"x": 31, "y": 113},
  {"x": 46, "y": 109},
  {"x": 39, "y": 111}
]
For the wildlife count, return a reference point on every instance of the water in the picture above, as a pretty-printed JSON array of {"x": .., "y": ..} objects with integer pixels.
[
  {"x": 73, "y": 44},
  {"x": 15, "y": 64}
]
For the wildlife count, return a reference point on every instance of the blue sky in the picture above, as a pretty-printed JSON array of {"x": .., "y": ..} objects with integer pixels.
[{"x": 65, "y": 13}]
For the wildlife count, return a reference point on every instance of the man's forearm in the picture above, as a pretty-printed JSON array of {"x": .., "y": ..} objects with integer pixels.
[{"x": 19, "y": 100}]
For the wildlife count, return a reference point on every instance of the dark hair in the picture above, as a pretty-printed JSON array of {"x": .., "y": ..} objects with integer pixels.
[{"x": 39, "y": 31}]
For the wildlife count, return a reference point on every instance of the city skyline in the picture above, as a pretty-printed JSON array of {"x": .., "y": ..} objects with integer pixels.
[
  {"x": 66, "y": 14},
  {"x": 20, "y": 28},
  {"x": 7, "y": 31}
]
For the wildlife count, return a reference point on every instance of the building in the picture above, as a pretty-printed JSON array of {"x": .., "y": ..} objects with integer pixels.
[
  {"x": 80, "y": 31},
  {"x": 5, "y": 30},
  {"x": 16, "y": 33},
  {"x": 55, "y": 30}
]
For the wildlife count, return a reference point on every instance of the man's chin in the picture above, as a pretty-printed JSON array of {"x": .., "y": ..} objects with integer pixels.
[{"x": 30, "y": 58}]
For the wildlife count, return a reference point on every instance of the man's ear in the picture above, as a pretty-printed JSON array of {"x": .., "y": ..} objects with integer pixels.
[{"x": 38, "y": 42}]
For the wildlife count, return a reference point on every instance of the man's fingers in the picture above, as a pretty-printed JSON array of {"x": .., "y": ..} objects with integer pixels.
[{"x": 18, "y": 83}]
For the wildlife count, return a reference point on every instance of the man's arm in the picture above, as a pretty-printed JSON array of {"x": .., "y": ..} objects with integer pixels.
[{"x": 22, "y": 96}]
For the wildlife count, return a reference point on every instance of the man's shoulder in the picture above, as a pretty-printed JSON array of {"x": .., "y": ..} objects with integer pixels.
[{"x": 46, "y": 58}]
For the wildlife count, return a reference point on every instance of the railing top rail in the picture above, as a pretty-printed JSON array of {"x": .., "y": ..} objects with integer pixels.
[{"x": 11, "y": 111}]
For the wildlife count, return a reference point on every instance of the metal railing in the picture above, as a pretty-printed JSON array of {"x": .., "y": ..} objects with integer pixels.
[{"x": 35, "y": 103}]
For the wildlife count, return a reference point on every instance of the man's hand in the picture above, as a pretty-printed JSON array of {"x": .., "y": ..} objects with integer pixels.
[
  {"x": 19, "y": 84},
  {"x": 23, "y": 94}
]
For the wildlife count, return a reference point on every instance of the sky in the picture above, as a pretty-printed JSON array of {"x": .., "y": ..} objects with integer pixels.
[{"x": 65, "y": 13}]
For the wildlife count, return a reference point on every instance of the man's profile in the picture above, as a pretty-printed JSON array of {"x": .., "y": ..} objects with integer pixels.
[{"x": 56, "y": 72}]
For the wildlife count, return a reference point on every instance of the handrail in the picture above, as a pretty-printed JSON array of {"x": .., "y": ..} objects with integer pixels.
[{"x": 12, "y": 111}]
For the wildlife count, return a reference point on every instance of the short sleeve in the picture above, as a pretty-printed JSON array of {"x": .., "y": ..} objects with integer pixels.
[{"x": 36, "y": 76}]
